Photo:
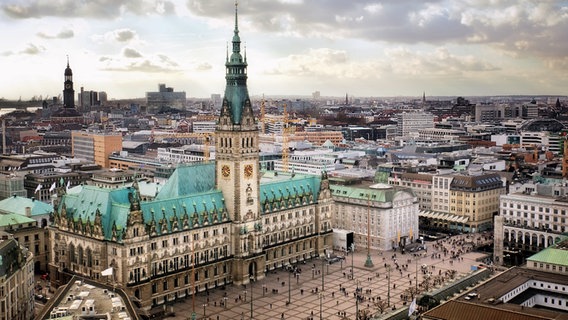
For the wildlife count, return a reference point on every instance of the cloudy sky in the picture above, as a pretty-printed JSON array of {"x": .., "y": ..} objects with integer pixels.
[{"x": 294, "y": 47}]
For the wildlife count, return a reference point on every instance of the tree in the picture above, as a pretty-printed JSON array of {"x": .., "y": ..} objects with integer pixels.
[
  {"x": 428, "y": 302},
  {"x": 381, "y": 305}
]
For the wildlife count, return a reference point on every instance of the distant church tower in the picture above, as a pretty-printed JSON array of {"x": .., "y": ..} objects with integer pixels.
[
  {"x": 68, "y": 92},
  {"x": 237, "y": 166}
]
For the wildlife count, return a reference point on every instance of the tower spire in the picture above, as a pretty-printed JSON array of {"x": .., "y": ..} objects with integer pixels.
[
  {"x": 236, "y": 19},
  {"x": 67, "y": 61},
  {"x": 236, "y": 38},
  {"x": 236, "y": 101}
]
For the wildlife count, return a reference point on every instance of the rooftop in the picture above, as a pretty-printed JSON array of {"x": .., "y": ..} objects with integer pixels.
[
  {"x": 81, "y": 299},
  {"x": 485, "y": 299}
]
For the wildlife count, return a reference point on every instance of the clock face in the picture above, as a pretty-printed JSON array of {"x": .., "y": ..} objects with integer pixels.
[
  {"x": 68, "y": 86},
  {"x": 225, "y": 171},
  {"x": 248, "y": 170}
]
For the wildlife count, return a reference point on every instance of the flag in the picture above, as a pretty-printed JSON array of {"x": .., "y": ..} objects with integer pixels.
[
  {"x": 52, "y": 187},
  {"x": 107, "y": 272},
  {"x": 68, "y": 185},
  {"x": 39, "y": 186},
  {"x": 412, "y": 307}
]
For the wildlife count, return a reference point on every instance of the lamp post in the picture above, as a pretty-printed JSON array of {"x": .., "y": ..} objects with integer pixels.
[
  {"x": 357, "y": 302},
  {"x": 416, "y": 281},
  {"x": 204, "y": 314},
  {"x": 322, "y": 273},
  {"x": 352, "y": 253},
  {"x": 251, "y": 296},
  {"x": 289, "y": 292},
  {"x": 389, "y": 285},
  {"x": 245, "y": 294},
  {"x": 321, "y": 296}
]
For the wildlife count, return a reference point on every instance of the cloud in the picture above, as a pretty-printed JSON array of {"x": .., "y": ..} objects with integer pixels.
[
  {"x": 119, "y": 35},
  {"x": 63, "y": 34},
  {"x": 123, "y": 35},
  {"x": 132, "y": 60},
  {"x": 31, "y": 49},
  {"x": 526, "y": 29},
  {"x": 131, "y": 53},
  {"x": 98, "y": 9},
  {"x": 400, "y": 62},
  {"x": 204, "y": 66},
  {"x": 321, "y": 62},
  {"x": 439, "y": 63}
]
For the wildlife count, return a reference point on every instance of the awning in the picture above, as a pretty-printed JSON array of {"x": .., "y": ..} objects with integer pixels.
[{"x": 443, "y": 216}]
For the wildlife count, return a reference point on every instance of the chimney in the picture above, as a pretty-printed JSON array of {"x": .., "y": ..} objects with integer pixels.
[{"x": 28, "y": 212}]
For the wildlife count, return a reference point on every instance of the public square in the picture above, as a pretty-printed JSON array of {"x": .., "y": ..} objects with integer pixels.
[{"x": 320, "y": 290}]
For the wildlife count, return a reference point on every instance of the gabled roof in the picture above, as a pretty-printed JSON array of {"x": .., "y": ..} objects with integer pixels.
[
  {"x": 112, "y": 204},
  {"x": 199, "y": 209},
  {"x": 284, "y": 190},
  {"x": 18, "y": 205},
  {"x": 189, "y": 179}
]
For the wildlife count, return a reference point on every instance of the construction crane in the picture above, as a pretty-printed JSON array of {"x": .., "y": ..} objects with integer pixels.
[
  {"x": 262, "y": 111},
  {"x": 205, "y": 136},
  {"x": 285, "y": 141}
]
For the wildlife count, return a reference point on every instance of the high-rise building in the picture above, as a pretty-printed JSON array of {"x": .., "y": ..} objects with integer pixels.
[
  {"x": 410, "y": 122},
  {"x": 210, "y": 224},
  {"x": 95, "y": 146},
  {"x": 165, "y": 97}
]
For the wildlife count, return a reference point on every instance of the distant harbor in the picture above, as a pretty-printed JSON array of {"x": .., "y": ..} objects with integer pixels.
[{"x": 4, "y": 111}]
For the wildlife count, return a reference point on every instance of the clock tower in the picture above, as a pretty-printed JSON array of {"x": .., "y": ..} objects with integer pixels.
[
  {"x": 237, "y": 166},
  {"x": 68, "y": 92}
]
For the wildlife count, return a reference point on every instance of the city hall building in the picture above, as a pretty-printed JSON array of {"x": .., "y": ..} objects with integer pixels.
[{"x": 211, "y": 224}]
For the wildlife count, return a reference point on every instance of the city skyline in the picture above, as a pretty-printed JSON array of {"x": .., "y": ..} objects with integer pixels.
[{"x": 294, "y": 47}]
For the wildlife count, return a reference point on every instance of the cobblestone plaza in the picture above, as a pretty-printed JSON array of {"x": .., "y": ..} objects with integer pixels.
[{"x": 316, "y": 293}]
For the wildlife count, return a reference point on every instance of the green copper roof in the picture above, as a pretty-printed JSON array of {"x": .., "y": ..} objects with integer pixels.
[
  {"x": 551, "y": 255},
  {"x": 187, "y": 200},
  {"x": 285, "y": 190},
  {"x": 189, "y": 211},
  {"x": 112, "y": 204},
  {"x": 11, "y": 219},
  {"x": 16, "y": 204},
  {"x": 187, "y": 180},
  {"x": 383, "y": 194},
  {"x": 236, "y": 92}
]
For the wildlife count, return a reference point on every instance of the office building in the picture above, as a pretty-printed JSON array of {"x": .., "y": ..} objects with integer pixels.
[
  {"x": 165, "y": 97},
  {"x": 95, "y": 147},
  {"x": 409, "y": 123}
]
